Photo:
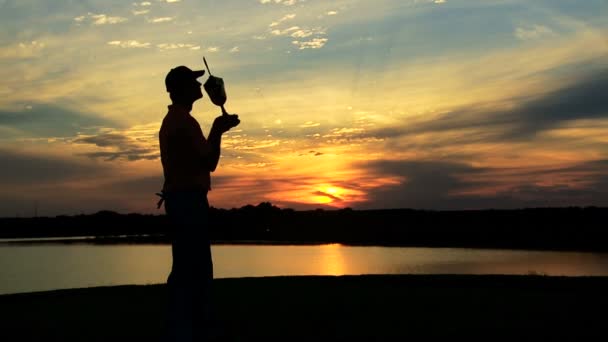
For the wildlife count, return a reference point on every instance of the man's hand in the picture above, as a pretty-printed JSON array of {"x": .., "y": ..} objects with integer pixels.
[{"x": 224, "y": 123}]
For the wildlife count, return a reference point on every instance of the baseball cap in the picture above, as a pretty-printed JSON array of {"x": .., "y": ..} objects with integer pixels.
[{"x": 179, "y": 76}]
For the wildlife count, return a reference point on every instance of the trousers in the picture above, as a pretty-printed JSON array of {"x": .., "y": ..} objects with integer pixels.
[{"x": 190, "y": 281}]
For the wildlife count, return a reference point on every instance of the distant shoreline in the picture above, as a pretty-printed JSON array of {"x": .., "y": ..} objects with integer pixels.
[{"x": 543, "y": 229}]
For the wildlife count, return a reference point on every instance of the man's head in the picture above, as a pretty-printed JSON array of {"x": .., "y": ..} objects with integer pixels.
[{"x": 182, "y": 85}]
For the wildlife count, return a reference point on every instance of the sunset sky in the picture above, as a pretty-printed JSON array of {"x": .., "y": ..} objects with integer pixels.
[{"x": 429, "y": 104}]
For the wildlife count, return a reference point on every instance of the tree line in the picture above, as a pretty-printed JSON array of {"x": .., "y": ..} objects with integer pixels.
[{"x": 569, "y": 228}]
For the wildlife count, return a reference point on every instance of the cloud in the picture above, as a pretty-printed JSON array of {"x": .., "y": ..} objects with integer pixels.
[
  {"x": 326, "y": 194},
  {"x": 242, "y": 144},
  {"x": 122, "y": 147},
  {"x": 143, "y": 187},
  {"x": 48, "y": 185},
  {"x": 277, "y": 32},
  {"x": 173, "y": 46},
  {"x": 299, "y": 33},
  {"x": 160, "y": 20},
  {"x": 130, "y": 155},
  {"x": 284, "y": 18},
  {"x": 99, "y": 19},
  {"x": 309, "y": 124},
  {"x": 26, "y": 169},
  {"x": 331, "y": 13},
  {"x": 140, "y": 12},
  {"x": 22, "y": 50},
  {"x": 352, "y": 132},
  {"x": 312, "y": 153},
  {"x": 584, "y": 99},
  {"x": 106, "y": 140},
  {"x": 234, "y": 49},
  {"x": 171, "y": 1},
  {"x": 315, "y": 43},
  {"x": 56, "y": 186},
  {"x": 46, "y": 120},
  {"x": 449, "y": 185},
  {"x": 129, "y": 44},
  {"x": 534, "y": 32},
  {"x": 303, "y": 33},
  {"x": 280, "y": 2}
]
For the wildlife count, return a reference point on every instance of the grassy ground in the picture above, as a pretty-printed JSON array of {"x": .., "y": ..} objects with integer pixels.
[{"x": 370, "y": 308}]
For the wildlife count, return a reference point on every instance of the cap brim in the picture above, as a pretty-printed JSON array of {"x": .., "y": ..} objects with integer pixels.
[{"x": 198, "y": 73}]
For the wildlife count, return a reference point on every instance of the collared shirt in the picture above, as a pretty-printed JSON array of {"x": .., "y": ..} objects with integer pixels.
[{"x": 184, "y": 152}]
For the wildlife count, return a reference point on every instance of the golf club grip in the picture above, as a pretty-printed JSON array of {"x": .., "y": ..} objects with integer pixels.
[{"x": 224, "y": 112}]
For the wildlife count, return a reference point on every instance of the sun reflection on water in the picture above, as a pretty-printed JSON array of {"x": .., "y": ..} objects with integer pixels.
[{"x": 332, "y": 261}]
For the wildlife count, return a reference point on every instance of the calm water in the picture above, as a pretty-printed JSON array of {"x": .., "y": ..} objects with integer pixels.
[{"x": 38, "y": 267}]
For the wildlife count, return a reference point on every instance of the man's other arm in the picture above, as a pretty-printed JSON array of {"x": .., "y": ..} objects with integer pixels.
[{"x": 209, "y": 149}]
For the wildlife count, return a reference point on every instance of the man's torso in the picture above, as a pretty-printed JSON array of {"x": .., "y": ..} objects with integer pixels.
[{"x": 181, "y": 141}]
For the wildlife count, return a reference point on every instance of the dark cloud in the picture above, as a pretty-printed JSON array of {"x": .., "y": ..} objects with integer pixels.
[
  {"x": 147, "y": 185},
  {"x": 130, "y": 155},
  {"x": 44, "y": 120},
  {"x": 23, "y": 169},
  {"x": 436, "y": 185},
  {"x": 428, "y": 184},
  {"x": 36, "y": 185},
  {"x": 326, "y": 194},
  {"x": 125, "y": 148},
  {"x": 106, "y": 140},
  {"x": 585, "y": 99}
]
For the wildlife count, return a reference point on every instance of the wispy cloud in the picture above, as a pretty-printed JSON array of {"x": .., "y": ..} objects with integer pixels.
[
  {"x": 173, "y": 46},
  {"x": 303, "y": 33},
  {"x": 315, "y": 43},
  {"x": 309, "y": 124},
  {"x": 284, "y": 32},
  {"x": 99, "y": 19},
  {"x": 298, "y": 32},
  {"x": 141, "y": 7},
  {"x": 534, "y": 32},
  {"x": 129, "y": 44},
  {"x": 22, "y": 50},
  {"x": 280, "y": 2},
  {"x": 160, "y": 20},
  {"x": 284, "y": 18}
]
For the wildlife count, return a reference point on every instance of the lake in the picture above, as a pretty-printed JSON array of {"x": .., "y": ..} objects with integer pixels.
[{"x": 40, "y": 267}]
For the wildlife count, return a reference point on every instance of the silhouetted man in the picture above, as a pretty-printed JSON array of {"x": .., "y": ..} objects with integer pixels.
[{"x": 187, "y": 159}]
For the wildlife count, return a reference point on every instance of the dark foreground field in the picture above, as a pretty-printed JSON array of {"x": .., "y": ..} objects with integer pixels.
[{"x": 367, "y": 308}]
